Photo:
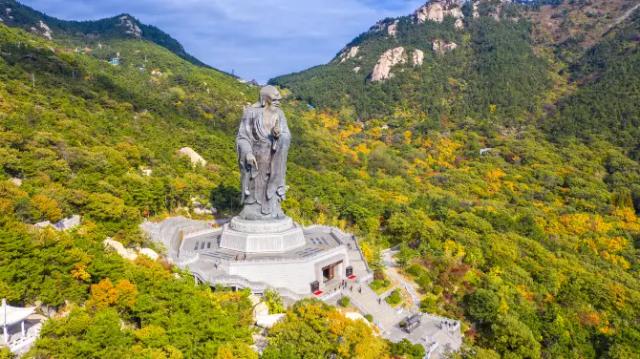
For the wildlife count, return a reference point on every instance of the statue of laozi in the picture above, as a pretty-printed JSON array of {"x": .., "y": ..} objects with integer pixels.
[{"x": 262, "y": 145}]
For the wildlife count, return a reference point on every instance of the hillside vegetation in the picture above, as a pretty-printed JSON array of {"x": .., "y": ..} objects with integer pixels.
[
  {"x": 507, "y": 175},
  {"x": 81, "y": 135},
  {"x": 483, "y": 165},
  {"x": 86, "y": 35}
]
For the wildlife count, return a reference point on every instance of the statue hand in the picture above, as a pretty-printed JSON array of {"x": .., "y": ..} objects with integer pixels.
[
  {"x": 276, "y": 131},
  {"x": 251, "y": 160}
]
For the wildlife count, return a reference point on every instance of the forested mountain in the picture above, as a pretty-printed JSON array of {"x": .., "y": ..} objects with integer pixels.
[
  {"x": 79, "y": 135},
  {"x": 497, "y": 144},
  {"x": 494, "y": 164},
  {"x": 87, "y": 35},
  {"x": 470, "y": 54},
  {"x": 454, "y": 65},
  {"x": 606, "y": 99}
]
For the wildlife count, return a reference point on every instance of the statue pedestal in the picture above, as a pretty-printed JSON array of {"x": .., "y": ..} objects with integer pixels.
[{"x": 272, "y": 236}]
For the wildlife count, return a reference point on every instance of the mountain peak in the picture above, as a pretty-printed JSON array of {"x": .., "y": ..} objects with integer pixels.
[
  {"x": 15, "y": 14},
  {"x": 130, "y": 25}
]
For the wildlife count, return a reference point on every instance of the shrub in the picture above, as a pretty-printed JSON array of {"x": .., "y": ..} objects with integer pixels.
[
  {"x": 344, "y": 301},
  {"x": 394, "y": 298}
]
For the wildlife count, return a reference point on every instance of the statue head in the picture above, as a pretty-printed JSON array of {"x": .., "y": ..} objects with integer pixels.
[{"x": 270, "y": 96}]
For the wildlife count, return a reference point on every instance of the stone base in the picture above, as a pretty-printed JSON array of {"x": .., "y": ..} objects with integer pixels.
[
  {"x": 267, "y": 226},
  {"x": 262, "y": 236}
]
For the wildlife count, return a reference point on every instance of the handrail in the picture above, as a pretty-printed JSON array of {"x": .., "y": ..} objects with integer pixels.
[{"x": 364, "y": 260}]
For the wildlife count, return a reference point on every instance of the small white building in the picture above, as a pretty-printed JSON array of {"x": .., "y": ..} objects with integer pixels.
[
  {"x": 17, "y": 332},
  {"x": 62, "y": 225}
]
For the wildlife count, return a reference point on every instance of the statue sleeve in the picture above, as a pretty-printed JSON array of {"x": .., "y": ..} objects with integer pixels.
[
  {"x": 286, "y": 134},
  {"x": 279, "y": 162},
  {"x": 243, "y": 140}
]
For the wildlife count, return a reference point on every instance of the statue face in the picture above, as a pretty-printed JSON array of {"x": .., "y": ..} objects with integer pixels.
[
  {"x": 270, "y": 96},
  {"x": 275, "y": 102}
]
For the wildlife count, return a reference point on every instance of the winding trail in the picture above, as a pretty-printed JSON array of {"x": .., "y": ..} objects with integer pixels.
[
  {"x": 392, "y": 270},
  {"x": 623, "y": 17}
]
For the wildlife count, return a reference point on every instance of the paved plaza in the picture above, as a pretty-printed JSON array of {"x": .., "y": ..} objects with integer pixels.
[
  {"x": 438, "y": 335},
  {"x": 196, "y": 245}
]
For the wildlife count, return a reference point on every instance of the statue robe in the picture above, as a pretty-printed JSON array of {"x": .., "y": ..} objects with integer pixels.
[{"x": 263, "y": 188}]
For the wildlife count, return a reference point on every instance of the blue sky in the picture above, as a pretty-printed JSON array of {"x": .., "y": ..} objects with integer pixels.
[{"x": 255, "y": 38}]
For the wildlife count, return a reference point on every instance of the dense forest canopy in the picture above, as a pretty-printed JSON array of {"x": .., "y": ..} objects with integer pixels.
[{"x": 506, "y": 170}]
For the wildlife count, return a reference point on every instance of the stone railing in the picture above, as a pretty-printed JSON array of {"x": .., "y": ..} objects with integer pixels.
[{"x": 256, "y": 287}]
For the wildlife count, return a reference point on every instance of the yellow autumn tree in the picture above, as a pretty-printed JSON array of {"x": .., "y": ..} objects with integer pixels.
[
  {"x": 104, "y": 294},
  {"x": 48, "y": 207}
]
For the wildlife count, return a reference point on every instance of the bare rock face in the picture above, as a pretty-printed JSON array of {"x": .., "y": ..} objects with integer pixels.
[
  {"x": 441, "y": 47},
  {"x": 7, "y": 14},
  {"x": 356, "y": 69},
  {"x": 437, "y": 10},
  {"x": 496, "y": 6},
  {"x": 16, "y": 181},
  {"x": 194, "y": 156},
  {"x": 459, "y": 24},
  {"x": 498, "y": 10},
  {"x": 43, "y": 30},
  {"x": 418, "y": 57},
  {"x": 349, "y": 53},
  {"x": 130, "y": 27},
  {"x": 379, "y": 26},
  {"x": 391, "y": 58},
  {"x": 392, "y": 30}
]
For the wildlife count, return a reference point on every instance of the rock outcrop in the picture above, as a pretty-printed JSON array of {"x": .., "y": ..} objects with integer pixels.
[
  {"x": 437, "y": 10},
  {"x": 130, "y": 26},
  {"x": 392, "y": 29},
  {"x": 147, "y": 172},
  {"x": 391, "y": 58},
  {"x": 418, "y": 57},
  {"x": 349, "y": 53},
  {"x": 7, "y": 14},
  {"x": 153, "y": 255},
  {"x": 441, "y": 47},
  {"x": 123, "y": 252},
  {"x": 128, "y": 253},
  {"x": 194, "y": 156},
  {"x": 16, "y": 181},
  {"x": 495, "y": 10},
  {"x": 43, "y": 30}
]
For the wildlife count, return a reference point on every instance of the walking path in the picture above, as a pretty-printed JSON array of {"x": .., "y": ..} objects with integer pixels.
[
  {"x": 623, "y": 17},
  {"x": 438, "y": 335},
  {"x": 393, "y": 273}
]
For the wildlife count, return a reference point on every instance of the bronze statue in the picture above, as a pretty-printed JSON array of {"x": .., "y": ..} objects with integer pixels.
[{"x": 262, "y": 145}]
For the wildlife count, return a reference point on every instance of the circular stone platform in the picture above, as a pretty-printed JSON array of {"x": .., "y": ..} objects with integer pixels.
[
  {"x": 253, "y": 236},
  {"x": 255, "y": 226}
]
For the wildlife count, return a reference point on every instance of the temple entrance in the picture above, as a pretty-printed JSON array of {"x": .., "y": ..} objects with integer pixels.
[{"x": 329, "y": 272}]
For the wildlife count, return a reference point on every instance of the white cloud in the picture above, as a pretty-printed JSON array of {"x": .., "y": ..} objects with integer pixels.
[{"x": 256, "y": 38}]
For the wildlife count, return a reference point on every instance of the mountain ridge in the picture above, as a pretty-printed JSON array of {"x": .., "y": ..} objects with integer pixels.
[{"x": 80, "y": 32}]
